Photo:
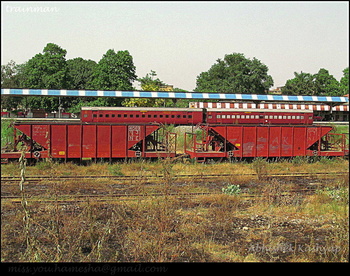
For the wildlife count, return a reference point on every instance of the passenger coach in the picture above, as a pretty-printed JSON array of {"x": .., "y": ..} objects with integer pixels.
[
  {"x": 258, "y": 117},
  {"x": 142, "y": 115}
]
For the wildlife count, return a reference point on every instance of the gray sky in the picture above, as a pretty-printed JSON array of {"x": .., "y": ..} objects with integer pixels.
[{"x": 179, "y": 40}]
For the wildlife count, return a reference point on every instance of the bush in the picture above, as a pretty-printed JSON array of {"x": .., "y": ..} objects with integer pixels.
[{"x": 232, "y": 190}]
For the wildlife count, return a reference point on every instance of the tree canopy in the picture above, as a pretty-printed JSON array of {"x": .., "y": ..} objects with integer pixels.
[
  {"x": 235, "y": 74},
  {"x": 319, "y": 84},
  {"x": 344, "y": 81},
  {"x": 51, "y": 70},
  {"x": 116, "y": 71}
]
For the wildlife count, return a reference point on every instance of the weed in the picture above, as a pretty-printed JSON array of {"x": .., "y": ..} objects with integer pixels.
[
  {"x": 259, "y": 165},
  {"x": 115, "y": 170},
  {"x": 232, "y": 190}
]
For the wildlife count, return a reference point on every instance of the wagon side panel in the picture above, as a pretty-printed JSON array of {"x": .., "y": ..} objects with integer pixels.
[
  {"x": 74, "y": 141},
  {"x": 58, "y": 141}
]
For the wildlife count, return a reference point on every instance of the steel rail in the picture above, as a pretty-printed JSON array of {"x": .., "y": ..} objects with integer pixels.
[
  {"x": 112, "y": 197},
  {"x": 137, "y": 177}
]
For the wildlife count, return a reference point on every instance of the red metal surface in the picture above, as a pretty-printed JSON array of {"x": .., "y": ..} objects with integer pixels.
[
  {"x": 89, "y": 141},
  {"x": 263, "y": 141},
  {"x": 187, "y": 116},
  {"x": 180, "y": 116},
  {"x": 275, "y": 117}
]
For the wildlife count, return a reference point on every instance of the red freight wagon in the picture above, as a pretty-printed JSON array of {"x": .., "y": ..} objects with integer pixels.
[
  {"x": 264, "y": 141},
  {"x": 142, "y": 115},
  {"x": 5, "y": 114},
  {"x": 254, "y": 116},
  {"x": 92, "y": 141}
]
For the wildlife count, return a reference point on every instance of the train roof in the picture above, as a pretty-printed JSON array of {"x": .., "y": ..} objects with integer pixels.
[
  {"x": 140, "y": 108},
  {"x": 249, "y": 110}
]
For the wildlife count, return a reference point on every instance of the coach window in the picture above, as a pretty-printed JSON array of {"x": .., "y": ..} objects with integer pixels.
[
  {"x": 228, "y": 116},
  {"x": 113, "y": 115},
  {"x": 218, "y": 116},
  {"x": 266, "y": 116},
  {"x": 143, "y": 115},
  {"x": 258, "y": 116},
  {"x": 302, "y": 117},
  {"x": 190, "y": 116},
  {"x": 137, "y": 115},
  {"x": 293, "y": 117},
  {"x": 131, "y": 115},
  {"x": 184, "y": 116},
  {"x": 119, "y": 115},
  {"x": 125, "y": 115},
  {"x": 289, "y": 117},
  {"x": 100, "y": 115},
  {"x": 210, "y": 117},
  {"x": 95, "y": 116},
  {"x": 149, "y": 116},
  {"x": 275, "y": 117},
  {"x": 178, "y": 116},
  {"x": 279, "y": 117},
  {"x": 284, "y": 117},
  {"x": 154, "y": 116},
  {"x": 233, "y": 116},
  {"x": 107, "y": 115},
  {"x": 298, "y": 117},
  {"x": 242, "y": 116},
  {"x": 238, "y": 116},
  {"x": 224, "y": 116},
  {"x": 271, "y": 117},
  {"x": 172, "y": 116},
  {"x": 166, "y": 116},
  {"x": 160, "y": 116}
]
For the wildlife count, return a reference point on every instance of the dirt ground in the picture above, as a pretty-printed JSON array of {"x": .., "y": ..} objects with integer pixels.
[{"x": 265, "y": 222}]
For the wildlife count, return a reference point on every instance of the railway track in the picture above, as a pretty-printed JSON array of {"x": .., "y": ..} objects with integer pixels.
[
  {"x": 127, "y": 192},
  {"x": 161, "y": 177},
  {"x": 69, "y": 199}
]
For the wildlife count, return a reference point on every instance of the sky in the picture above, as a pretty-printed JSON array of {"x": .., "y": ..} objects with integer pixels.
[{"x": 179, "y": 40}]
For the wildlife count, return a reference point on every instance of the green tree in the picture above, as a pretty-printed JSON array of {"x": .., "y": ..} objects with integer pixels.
[
  {"x": 11, "y": 75},
  {"x": 319, "y": 84},
  {"x": 47, "y": 70},
  {"x": 344, "y": 82},
  {"x": 80, "y": 73},
  {"x": 326, "y": 84},
  {"x": 301, "y": 84},
  {"x": 148, "y": 83},
  {"x": 115, "y": 71},
  {"x": 235, "y": 74}
]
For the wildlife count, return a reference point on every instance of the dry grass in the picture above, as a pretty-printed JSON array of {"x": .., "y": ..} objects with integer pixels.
[{"x": 273, "y": 227}]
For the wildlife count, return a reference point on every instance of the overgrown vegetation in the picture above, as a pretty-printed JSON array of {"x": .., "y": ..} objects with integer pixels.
[
  {"x": 273, "y": 226},
  {"x": 6, "y": 132}
]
